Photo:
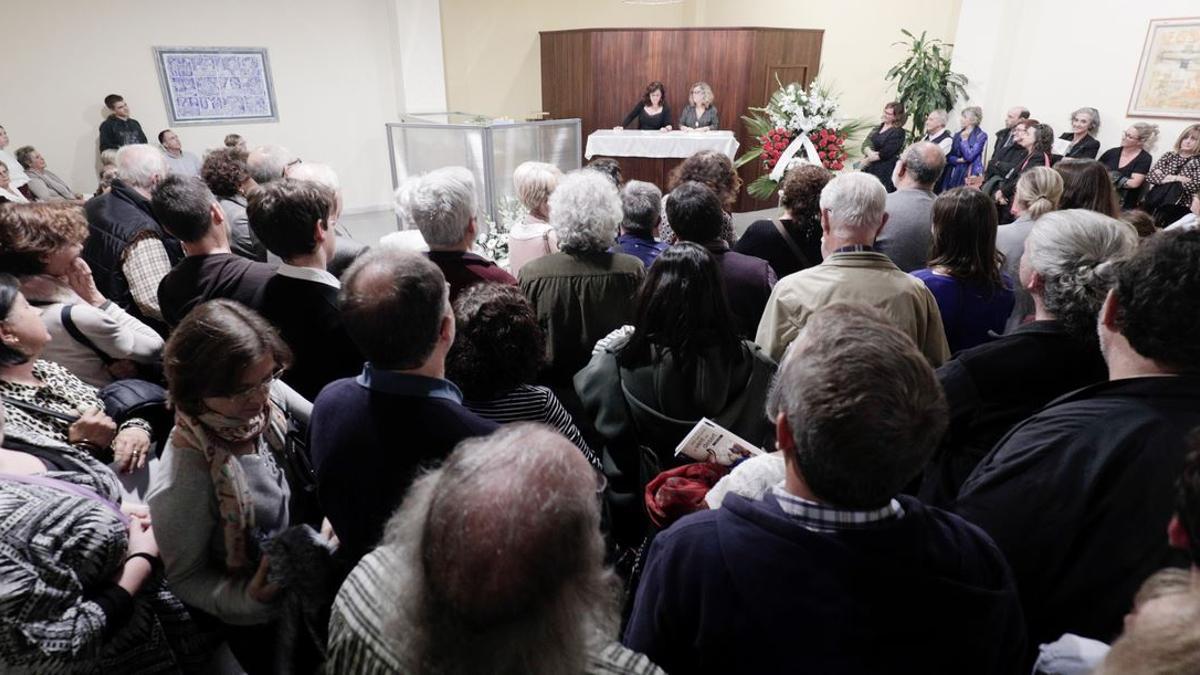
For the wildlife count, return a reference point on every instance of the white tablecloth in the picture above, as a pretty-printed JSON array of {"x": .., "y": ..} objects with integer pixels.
[{"x": 638, "y": 143}]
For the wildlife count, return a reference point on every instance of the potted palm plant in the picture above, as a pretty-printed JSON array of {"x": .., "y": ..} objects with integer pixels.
[{"x": 924, "y": 81}]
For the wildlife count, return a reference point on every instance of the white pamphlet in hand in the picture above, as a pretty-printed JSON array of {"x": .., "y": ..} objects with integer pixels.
[
  {"x": 710, "y": 442},
  {"x": 1060, "y": 147}
]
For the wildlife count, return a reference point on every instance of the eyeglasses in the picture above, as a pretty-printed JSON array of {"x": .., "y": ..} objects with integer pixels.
[{"x": 261, "y": 388}]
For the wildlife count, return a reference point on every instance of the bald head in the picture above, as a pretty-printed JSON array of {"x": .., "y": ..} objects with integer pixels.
[
  {"x": 394, "y": 304},
  {"x": 919, "y": 167},
  {"x": 1015, "y": 114}
]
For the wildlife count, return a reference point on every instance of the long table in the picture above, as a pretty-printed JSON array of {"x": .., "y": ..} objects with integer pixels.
[{"x": 651, "y": 155}]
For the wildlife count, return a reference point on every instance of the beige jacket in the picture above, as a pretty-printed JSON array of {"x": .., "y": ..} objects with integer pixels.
[{"x": 863, "y": 277}]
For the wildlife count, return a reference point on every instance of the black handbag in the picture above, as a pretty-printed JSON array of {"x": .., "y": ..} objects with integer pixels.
[
  {"x": 125, "y": 399},
  {"x": 1166, "y": 194}
]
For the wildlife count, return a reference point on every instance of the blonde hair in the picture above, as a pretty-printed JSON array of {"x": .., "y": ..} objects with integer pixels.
[
  {"x": 534, "y": 182},
  {"x": 1146, "y": 132},
  {"x": 706, "y": 94},
  {"x": 1192, "y": 131},
  {"x": 1040, "y": 190}
]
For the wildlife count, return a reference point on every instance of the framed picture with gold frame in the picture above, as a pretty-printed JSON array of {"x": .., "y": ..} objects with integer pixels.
[{"x": 1168, "y": 77}]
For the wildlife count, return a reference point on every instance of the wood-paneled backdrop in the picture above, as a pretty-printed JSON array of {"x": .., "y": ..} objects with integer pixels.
[{"x": 598, "y": 75}]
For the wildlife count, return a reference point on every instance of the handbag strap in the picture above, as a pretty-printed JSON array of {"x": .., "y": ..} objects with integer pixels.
[
  {"x": 79, "y": 490},
  {"x": 69, "y": 324},
  {"x": 791, "y": 243},
  {"x": 37, "y": 409}
]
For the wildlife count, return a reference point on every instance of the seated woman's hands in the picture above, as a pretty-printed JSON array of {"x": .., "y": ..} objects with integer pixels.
[
  {"x": 130, "y": 449},
  {"x": 93, "y": 428}
]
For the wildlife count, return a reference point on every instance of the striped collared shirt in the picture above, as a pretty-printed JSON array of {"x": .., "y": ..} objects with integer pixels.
[{"x": 826, "y": 518}]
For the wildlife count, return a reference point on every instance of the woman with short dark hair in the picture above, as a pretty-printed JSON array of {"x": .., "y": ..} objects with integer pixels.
[
  {"x": 792, "y": 242},
  {"x": 221, "y": 493},
  {"x": 974, "y": 296},
  {"x": 226, "y": 174},
  {"x": 497, "y": 353},
  {"x": 886, "y": 142},
  {"x": 1036, "y": 139},
  {"x": 45, "y": 398},
  {"x": 41, "y": 243}
]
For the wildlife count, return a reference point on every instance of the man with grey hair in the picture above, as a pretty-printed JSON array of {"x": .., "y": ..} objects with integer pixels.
[
  {"x": 936, "y": 132},
  {"x": 442, "y": 205},
  {"x": 853, "y": 210},
  {"x": 128, "y": 250},
  {"x": 907, "y": 237},
  {"x": 833, "y": 566},
  {"x": 641, "y": 203},
  {"x": 268, "y": 163},
  {"x": 526, "y": 592},
  {"x": 372, "y": 433}
]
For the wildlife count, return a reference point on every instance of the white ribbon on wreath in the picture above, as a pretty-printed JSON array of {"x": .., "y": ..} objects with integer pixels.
[{"x": 800, "y": 143}]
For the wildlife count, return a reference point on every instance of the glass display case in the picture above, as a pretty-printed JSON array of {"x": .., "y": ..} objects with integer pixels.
[{"x": 490, "y": 148}]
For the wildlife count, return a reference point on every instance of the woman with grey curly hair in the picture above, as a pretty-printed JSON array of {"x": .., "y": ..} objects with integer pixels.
[
  {"x": 1068, "y": 268},
  {"x": 583, "y": 292},
  {"x": 1081, "y": 139}
]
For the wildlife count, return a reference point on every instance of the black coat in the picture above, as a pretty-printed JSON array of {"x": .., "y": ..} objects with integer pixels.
[
  {"x": 306, "y": 315},
  {"x": 1079, "y": 495},
  {"x": 1086, "y": 148},
  {"x": 115, "y": 219},
  {"x": 992, "y": 387}
]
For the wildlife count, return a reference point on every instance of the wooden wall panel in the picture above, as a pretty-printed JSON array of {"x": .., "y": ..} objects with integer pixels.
[{"x": 621, "y": 62}]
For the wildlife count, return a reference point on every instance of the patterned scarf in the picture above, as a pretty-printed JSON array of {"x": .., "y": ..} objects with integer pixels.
[{"x": 214, "y": 435}]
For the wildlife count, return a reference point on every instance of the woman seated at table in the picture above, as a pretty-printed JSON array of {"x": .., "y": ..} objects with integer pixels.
[
  {"x": 700, "y": 113},
  {"x": 652, "y": 112},
  {"x": 81, "y": 590}
]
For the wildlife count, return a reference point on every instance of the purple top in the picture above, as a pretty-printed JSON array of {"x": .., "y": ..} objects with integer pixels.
[{"x": 969, "y": 311}]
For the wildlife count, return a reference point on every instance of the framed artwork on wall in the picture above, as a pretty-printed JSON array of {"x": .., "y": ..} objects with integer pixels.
[
  {"x": 1168, "y": 77},
  {"x": 216, "y": 85}
]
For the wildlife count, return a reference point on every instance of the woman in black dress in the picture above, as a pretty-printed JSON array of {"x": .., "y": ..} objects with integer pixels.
[
  {"x": 652, "y": 112},
  {"x": 886, "y": 143},
  {"x": 1129, "y": 163}
]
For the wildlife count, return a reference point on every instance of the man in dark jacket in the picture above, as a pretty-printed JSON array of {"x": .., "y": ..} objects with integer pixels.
[
  {"x": 372, "y": 434},
  {"x": 694, "y": 212},
  {"x": 128, "y": 250},
  {"x": 188, "y": 210},
  {"x": 1078, "y": 495},
  {"x": 119, "y": 129},
  {"x": 832, "y": 571},
  {"x": 292, "y": 218}
]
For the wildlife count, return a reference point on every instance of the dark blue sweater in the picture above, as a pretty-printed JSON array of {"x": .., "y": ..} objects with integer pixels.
[
  {"x": 367, "y": 447},
  {"x": 747, "y": 589}
]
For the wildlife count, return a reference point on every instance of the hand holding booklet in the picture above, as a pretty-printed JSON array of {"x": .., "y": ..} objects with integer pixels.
[{"x": 710, "y": 442}]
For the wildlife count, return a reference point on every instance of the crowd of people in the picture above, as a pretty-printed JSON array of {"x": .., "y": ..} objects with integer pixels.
[{"x": 234, "y": 441}]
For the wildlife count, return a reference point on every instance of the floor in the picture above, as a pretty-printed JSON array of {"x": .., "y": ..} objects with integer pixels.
[{"x": 369, "y": 227}]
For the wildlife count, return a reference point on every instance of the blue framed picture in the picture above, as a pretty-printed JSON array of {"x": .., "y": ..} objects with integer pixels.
[{"x": 216, "y": 85}]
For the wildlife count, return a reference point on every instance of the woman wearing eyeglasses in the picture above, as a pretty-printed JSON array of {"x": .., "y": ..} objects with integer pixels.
[
  {"x": 222, "y": 491},
  {"x": 1129, "y": 163}
]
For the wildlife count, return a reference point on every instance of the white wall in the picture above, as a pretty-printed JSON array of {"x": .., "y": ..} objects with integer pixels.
[
  {"x": 1056, "y": 56},
  {"x": 338, "y": 68}
]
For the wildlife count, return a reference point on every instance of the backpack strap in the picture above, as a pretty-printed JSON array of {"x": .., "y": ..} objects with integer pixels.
[
  {"x": 69, "y": 324},
  {"x": 791, "y": 243}
]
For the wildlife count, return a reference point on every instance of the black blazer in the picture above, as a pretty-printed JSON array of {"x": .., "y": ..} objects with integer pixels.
[
  {"x": 306, "y": 315},
  {"x": 1087, "y": 148}
]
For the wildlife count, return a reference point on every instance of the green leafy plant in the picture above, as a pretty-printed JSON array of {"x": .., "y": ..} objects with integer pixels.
[{"x": 924, "y": 81}]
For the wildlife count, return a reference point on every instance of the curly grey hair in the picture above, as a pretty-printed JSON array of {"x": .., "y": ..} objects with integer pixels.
[
  {"x": 585, "y": 211},
  {"x": 1093, "y": 115},
  {"x": 1075, "y": 251}
]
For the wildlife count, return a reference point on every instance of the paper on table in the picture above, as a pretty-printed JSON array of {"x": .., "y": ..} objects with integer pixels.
[{"x": 710, "y": 442}]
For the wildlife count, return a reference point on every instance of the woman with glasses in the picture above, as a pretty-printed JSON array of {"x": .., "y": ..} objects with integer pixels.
[
  {"x": 700, "y": 114},
  {"x": 1129, "y": 163},
  {"x": 221, "y": 492}
]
